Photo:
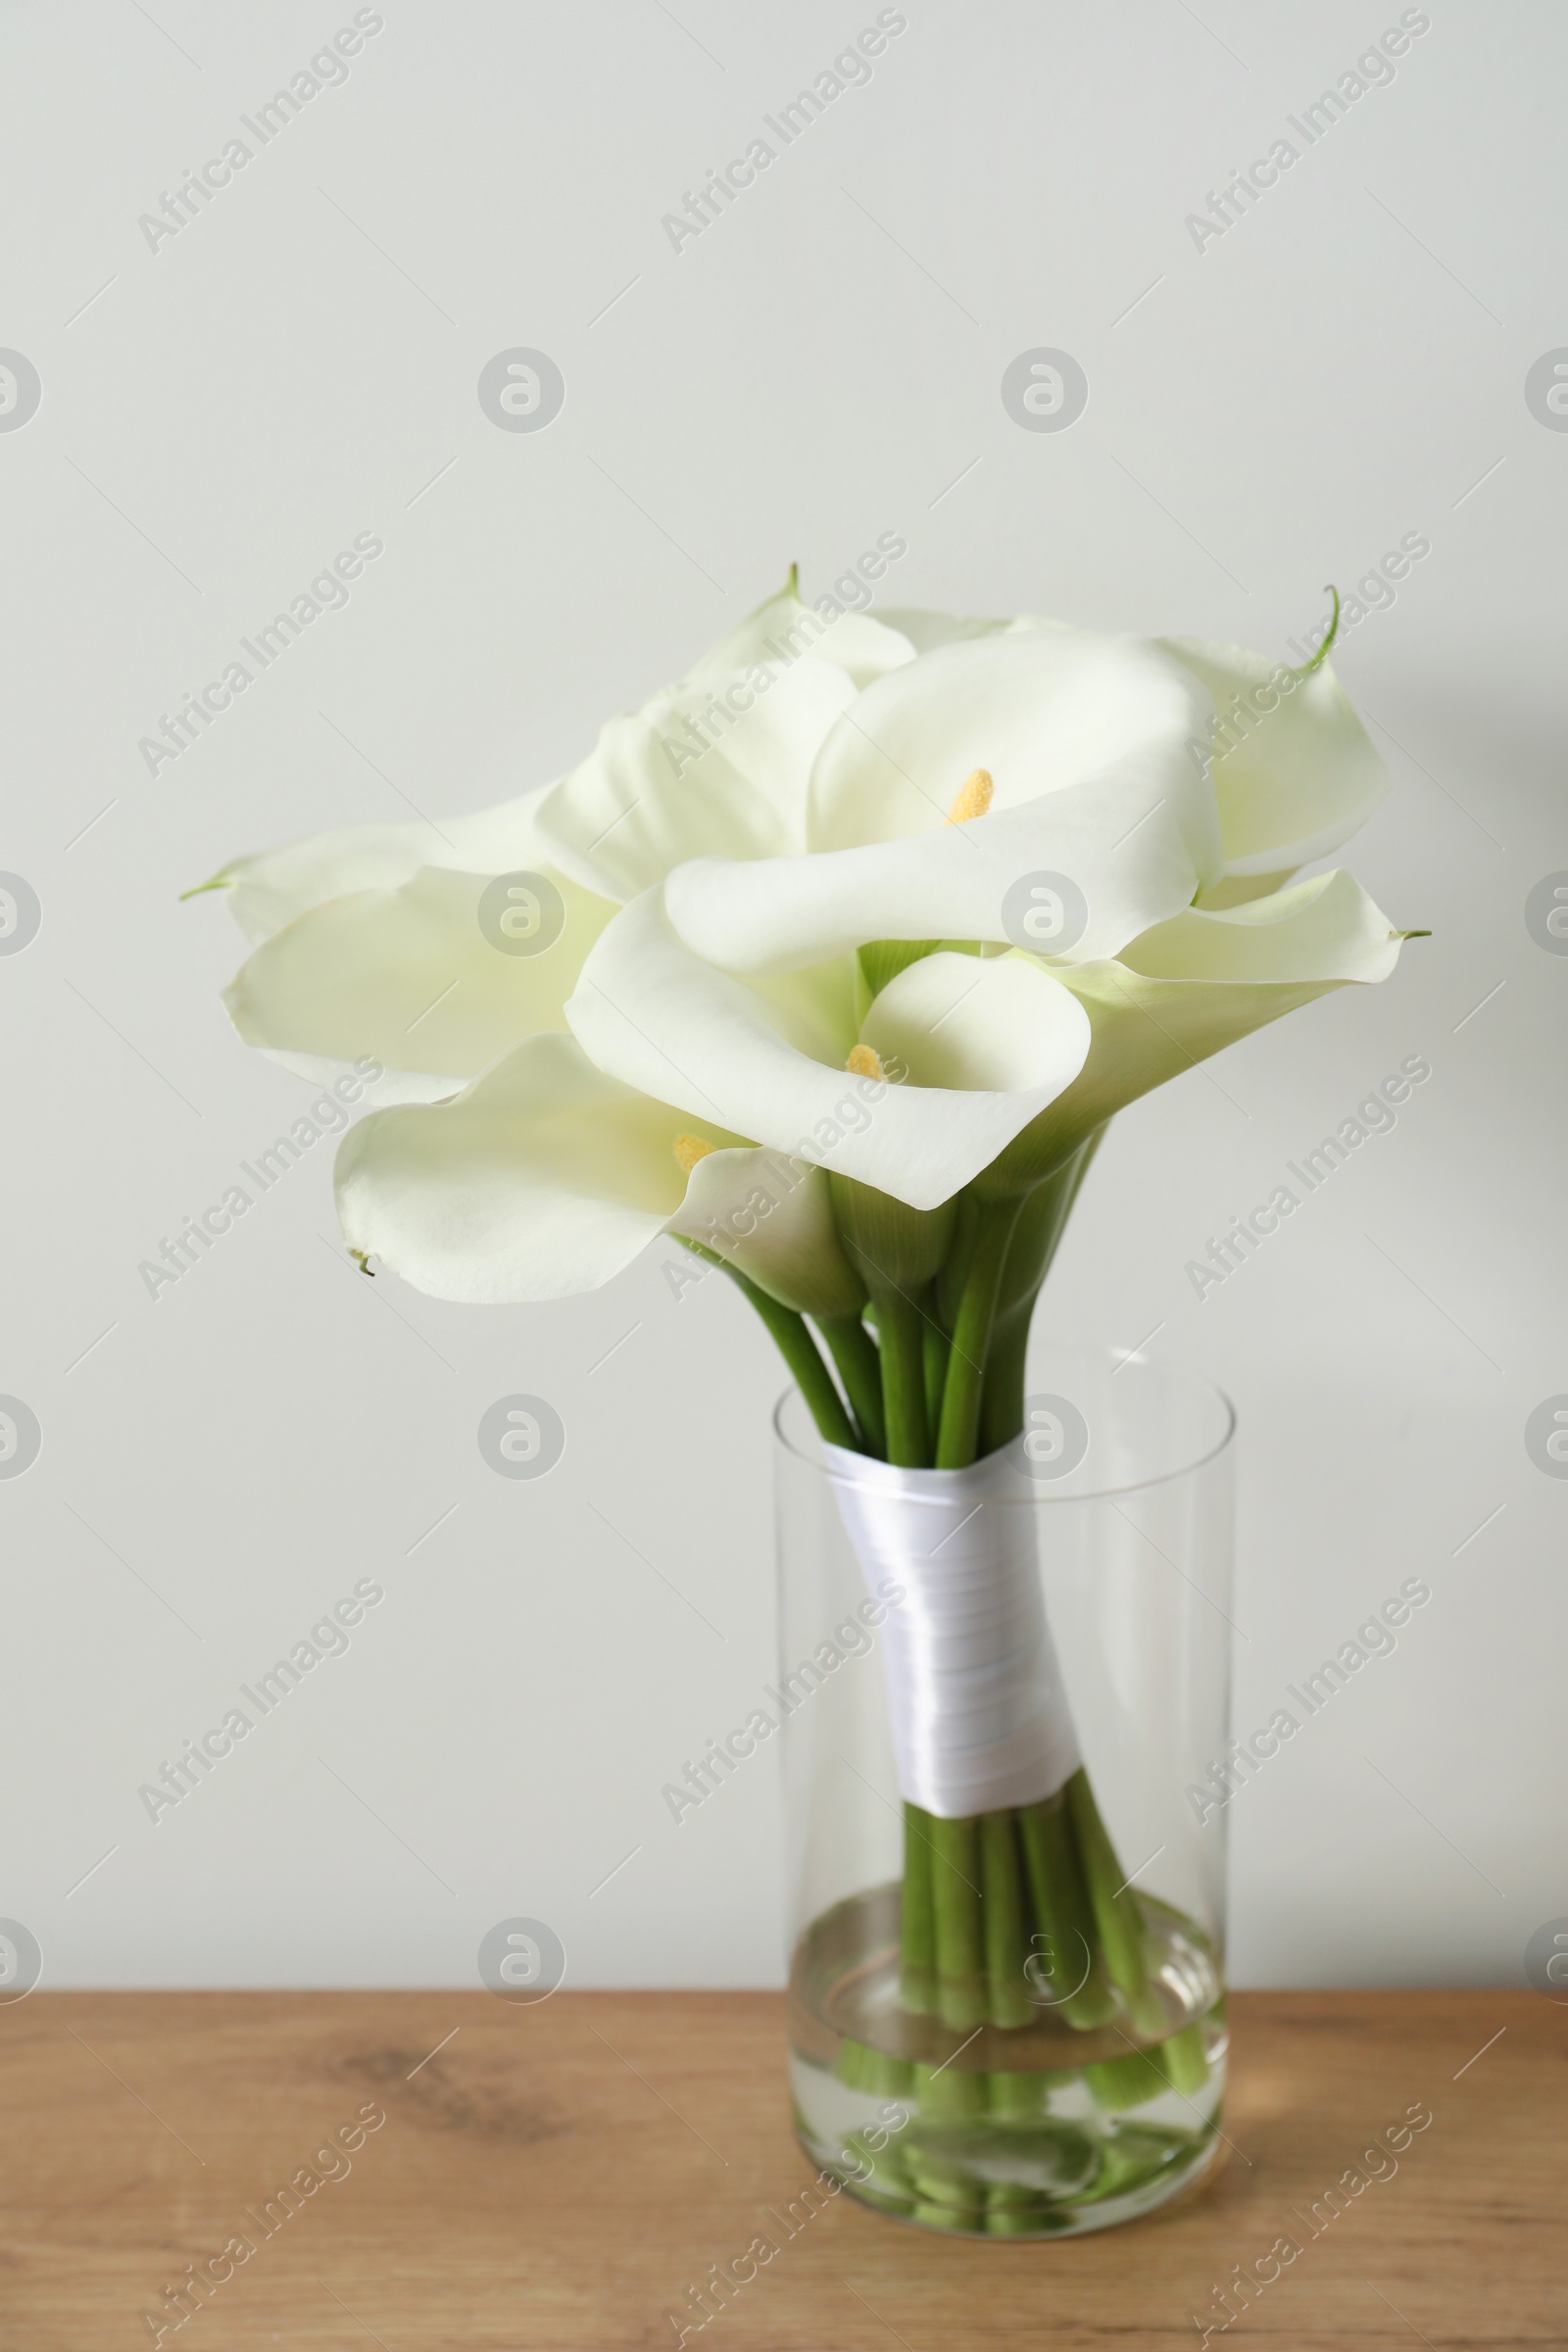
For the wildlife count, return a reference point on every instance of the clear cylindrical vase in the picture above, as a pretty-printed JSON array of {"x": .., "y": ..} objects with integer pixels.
[{"x": 1009, "y": 2022}]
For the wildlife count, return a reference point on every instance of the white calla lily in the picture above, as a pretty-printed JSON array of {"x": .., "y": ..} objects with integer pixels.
[
  {"x": 425, "y": 978},
  {"x": 769, "y": 932},
  {"x": 975, "y": 1023},
  {"x": 1134, "y": 844},
  {"x": 1039, "y": 709},
  {"x": 768, "y": 1059},
  {"x": 772, "y": 1218},
  {"x": 1067, "y": 757},
  {"x": 785, "y": 626},
  {"x": 1296, "y": 772},
  {"x": 1324, "y": 930},
  {"x": 275, "y": 887},
  {"x": 1190, "y": 987},
  {"x": 719, "y": 761},
  {"x": 701, "y": 765},
  {"x": 545, "y": 1177}
]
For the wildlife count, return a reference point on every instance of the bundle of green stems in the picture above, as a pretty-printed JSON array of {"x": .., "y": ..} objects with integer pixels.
[{"x": 1002, "y": 1913}]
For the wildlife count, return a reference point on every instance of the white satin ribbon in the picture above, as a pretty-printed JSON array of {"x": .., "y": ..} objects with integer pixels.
[{"x": 979, "y": 1715}]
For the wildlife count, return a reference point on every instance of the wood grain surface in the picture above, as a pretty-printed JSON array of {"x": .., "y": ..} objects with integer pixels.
[{"x": 558, "y": 2176}]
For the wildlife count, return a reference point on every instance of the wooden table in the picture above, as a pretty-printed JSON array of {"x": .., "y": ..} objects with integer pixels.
[{"x": 558, "y": 2175}]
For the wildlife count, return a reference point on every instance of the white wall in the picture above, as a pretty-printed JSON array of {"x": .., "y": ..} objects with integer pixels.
[{"x": 1340, "y": 368}]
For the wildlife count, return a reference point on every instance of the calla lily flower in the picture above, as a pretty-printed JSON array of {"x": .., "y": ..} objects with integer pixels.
[
  {"x": 959, "y": 780},
  {"x": 1037, "y": 709},
  {"x": 719, "y": 762},
  {"x": 545, "y": 1177},
  {"x": 274, "y": 887},
  {"x": 428, "y": 951},
  {"x": 421, "y": 978},
  {"x": 1296, "y": 772},
  {"x": 376, "y": 942},
  {"x": 779, "y": 925},
  {"x": 1190, "y": 987},
  {"x": 986, "y": 1043}
]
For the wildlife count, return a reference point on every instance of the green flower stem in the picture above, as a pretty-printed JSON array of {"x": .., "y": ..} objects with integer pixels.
[
  {"x": 883, "y": 2171},
  {"x": 948, "y": 2091},
  {"x": 1021, "y": 2094},
  {"x": 959, "y": 1429},
  {"x": 1185, "y": 2059},
  {"x": 1063, "y": 1913},
  {"x": 866, "y": 2069},
  {"x": 859, "y": 1368},
  {"x": 1118, "y": 1914},
  {"x": 800, "y": 1352},
  {"x": 956, "y": 1906},
  {"x": 979, "y": 1895},
  {"x": 954, "y": 1266},
  {"x": 931, "y": 2212},
  {"x": 946, "y": 2192},
  {"x": 1002, "y": 1394},
  {"x": 813, "y": 1377},
  {"x": 938, "y": 1348},
  {"x": 1041, "y": 1223},
  {"x": 1003, "y": 1917},
  {"x": 917, "y": 1948},
  {"x": 1012, "y": 2221},
  {"x": 1180, "y": 2063},
  {"x": 900, "y": 1324}
]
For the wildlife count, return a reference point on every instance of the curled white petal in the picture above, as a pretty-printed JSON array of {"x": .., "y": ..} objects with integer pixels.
[
  {"x": 1193, "y": 986},
  {"x": 719, "y": 762},
  {"x": 1039, "y": 708},
  {"x": 410, "y": 977},
  {"x": 543, "y": 1178},
  {"x": 1134, "y": 845},
  {"x": 768, "y": 1060},
  {"x": 1323, "y": 929},
  {"x": 783, "y": 628},
  {"x": 772, "y": 1217},
  {"x": 275, "y": 887},
  {"x": 1296, "y": 772},
  {"x": 715, "y": 764},
  {"x": 997, "y": 1024}
]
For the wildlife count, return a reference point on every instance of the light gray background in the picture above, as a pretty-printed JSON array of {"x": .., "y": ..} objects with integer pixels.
[{"x": 1343, "y": 367}]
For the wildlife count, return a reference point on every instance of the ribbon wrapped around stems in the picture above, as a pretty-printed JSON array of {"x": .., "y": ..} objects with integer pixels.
[{"x": 979, "y": 1716}]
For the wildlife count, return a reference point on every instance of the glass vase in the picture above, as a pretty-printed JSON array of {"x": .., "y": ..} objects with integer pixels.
[{"x": 1050, "y": 2056}]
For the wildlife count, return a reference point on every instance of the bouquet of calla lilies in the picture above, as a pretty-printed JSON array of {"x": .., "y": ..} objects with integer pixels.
[{"x": 833, "y": 961}]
